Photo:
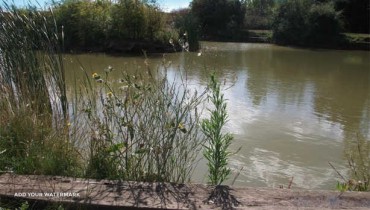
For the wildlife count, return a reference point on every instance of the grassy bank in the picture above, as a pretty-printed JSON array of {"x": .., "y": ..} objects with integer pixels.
[
  {"x": 34, "y": 135},
  {"x": 139, "y": 127},
  {"x": 351, "y": 41},
  {"x": 358, "y": 41}
]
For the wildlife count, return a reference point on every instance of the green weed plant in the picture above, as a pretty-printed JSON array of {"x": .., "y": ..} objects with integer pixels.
[{"x": 216, "y": 148}]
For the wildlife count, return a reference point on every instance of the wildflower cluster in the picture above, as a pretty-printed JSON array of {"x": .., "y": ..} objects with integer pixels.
[{"x": 142, "y": 130}]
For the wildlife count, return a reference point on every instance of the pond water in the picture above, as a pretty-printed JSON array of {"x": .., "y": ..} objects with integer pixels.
[{"x": 292, "y": 110}]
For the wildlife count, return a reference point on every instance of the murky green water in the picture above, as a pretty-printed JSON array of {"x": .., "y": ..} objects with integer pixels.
[{"x": 291, "y": 110}]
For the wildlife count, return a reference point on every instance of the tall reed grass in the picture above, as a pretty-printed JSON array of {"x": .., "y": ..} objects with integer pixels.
[
  {"x": 358, "y": 157},
  {"x": 145, "y": 129},
  {"x": 33, "y": 105},
  {"x": 357, "y": 153}
]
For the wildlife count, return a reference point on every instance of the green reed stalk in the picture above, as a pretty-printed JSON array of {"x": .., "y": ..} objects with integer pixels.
[
  {"x": 31, "y": 65},
  {"x": 34, "y": 130},
  {"x": 143, "y": 127},
  {"x": 216, "y": 149}
]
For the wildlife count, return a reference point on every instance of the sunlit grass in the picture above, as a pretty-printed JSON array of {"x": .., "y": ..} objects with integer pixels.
[
  {"x": 145, "y": 129},
  {"x": 142, "y": 127},
  {"x": 34, "y": 136}
]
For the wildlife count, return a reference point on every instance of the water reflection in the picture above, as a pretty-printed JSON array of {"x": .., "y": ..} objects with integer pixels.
[{"x": 292, "y": 110}]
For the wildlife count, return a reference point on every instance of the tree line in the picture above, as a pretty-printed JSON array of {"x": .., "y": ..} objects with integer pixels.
[
  {"x": 94, "y": 23},
  {"x": 88, "y": 24},
  {"x": 299, "y": 22}
]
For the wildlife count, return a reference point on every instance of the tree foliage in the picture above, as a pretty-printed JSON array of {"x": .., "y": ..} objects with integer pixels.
[
  {"x": 187, "y": 24},
  {"x": 259, "y": 14},
  {"x": 219, "y": 18},
  {"x": 84, "y": 23},
  {"x": 128, "y": 20},
  {"x": 356, "y": 14},
  {"x": 94, "y": 23},
  {"x": 304, "y": 22}
]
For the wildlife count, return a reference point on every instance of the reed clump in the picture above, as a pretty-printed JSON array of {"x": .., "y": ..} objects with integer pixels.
[
  {"x": 142, "y": 127},
  {"x": 358, "y": 157},
  {"x": 34, "y": 137},
  {"x": 357, "y": 154}
]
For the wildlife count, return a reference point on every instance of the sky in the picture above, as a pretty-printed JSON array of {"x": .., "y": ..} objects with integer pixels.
[
  {"x": 166, "y": 5},
  {"x": 169, "y": 5}
]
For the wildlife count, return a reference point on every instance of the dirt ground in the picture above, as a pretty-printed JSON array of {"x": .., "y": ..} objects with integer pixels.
[{"x": 105, "y": 194}]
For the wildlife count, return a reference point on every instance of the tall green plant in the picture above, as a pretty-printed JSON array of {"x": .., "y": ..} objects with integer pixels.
[
  {"x": 216, "y": 149},
  {"x": 259, "y": 14},
  {"x": 358, "y": 156},
  {"x": 31, "y": 65},
  {"x": 188, "y": 28},
  {"x": 307, "y": 23},
  {"x": 221, "y": 19},
  {"x": 86, "y": 24},
  {"x": 34, "y": 136},
  {"x": 145, "y": 128}
]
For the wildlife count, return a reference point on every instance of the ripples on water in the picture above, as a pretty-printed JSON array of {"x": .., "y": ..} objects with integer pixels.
[{"x": 291, "y": 110}]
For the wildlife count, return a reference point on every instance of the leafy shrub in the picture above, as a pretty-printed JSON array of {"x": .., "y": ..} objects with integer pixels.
[
  {"x": 289, "y": 24},
  {"x": 324, "y": 24},
  {"x": 358, "y": 156},
  {"x": 143, "y": 128},
  {"x": 217, "y": 143},
  {"x": 128, "y": 20},
  {"x": 303, "y": 22},
  {"x": 187, "y": 24},
  {"x": 259, "y": 14},
  {"x": 356, "y": 14},
  {"x": 220, "y": 19},
  {"x": 84, "y": 23},
  {"x": 94, "y": 24}
]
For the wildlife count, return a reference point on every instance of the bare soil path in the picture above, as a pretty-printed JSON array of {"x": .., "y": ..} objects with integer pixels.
[{"x": 106, "y": 194}]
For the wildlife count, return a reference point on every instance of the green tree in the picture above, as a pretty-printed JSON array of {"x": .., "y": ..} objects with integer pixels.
[
  {"x": 94, "y": 24},
  {"x": 155, "y": 21},
  {"x": 259, "y": 13},
  {"x": 136, "y": 20},
  {"x": 128, "y": 20},
  {"x": 356, "y": 14},
  {"x": 187, "y": 24},
  {"x": 304, "y": 22},
  {"x": 324, "y": 24},
  {"x": 219, "y": 18},
  {"x": 85, "y": 23}
]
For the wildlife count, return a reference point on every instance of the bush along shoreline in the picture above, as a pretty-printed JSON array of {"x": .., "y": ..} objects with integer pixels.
[
  {"x": 142, "y": 127},
  {"x": 125, "y": 26},
  {"x": 347, "y": 41},
  {"x": 311, "y": 24},
  {"x": 122, "y": 27},
  {"x": 132, "y": 27}
]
